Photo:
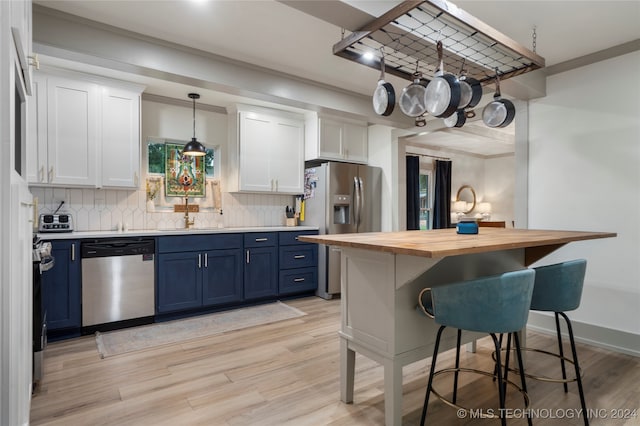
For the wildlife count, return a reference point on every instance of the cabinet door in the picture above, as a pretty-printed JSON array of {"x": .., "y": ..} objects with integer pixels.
[
  {"x": 222, "y": 277},
  {"x": 72, "y": 131},
  {"x": 355, "y": 143},
  {"x": 330, "y": 139},
  {"x": 37, "y": 166},
  {"x": 255, "y": 136},
  {"x": 179, "y": 281},
  {"x": 61, "y": 287},
  {"x": 120, "y": 138},
  {"x": 260, "y": 272},
  {"x": 287, "y": 156}
]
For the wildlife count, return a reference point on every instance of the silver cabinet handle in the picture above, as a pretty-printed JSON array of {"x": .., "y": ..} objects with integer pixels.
[
  {"x": 135, "y": 178},
  {"x": 247, "y": 256},
  {"x": 41, "y": 174},
  {"x": 261, "y": 240},
  {"x": 73, "y": 252},
  {"x": 298, "y": 280},
  {"x": 199, "y": 261},
  {"x": 362, "y": 200},
  {"x": 50, "y": 174},
  {"x": 206, "y": 260},
  {"x": 299, "y": 256}
]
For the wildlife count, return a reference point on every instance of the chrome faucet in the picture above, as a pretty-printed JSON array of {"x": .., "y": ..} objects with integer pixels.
[{"x": 187, "y": 222}]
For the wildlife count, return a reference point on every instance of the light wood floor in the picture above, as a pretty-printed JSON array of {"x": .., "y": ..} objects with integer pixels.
[{"x": 287, "y": 373}]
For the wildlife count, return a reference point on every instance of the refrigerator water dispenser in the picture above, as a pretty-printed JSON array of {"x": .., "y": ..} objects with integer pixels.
[{"x": 341, "y": 205}]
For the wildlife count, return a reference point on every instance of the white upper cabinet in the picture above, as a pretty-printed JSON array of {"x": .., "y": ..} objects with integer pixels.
[
  {"x": 120, "y": 138},
  {"x": 336, "y": 139},
  {"x": 72, "y": 132},
  {"x": 267, "y": 151},
  {"x": 83, "y": 133}
]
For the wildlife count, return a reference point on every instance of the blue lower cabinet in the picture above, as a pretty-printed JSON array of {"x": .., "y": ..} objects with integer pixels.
[
  {"x": 298, "y": 280},
  {"x": 222, "y": 277},
  {"x": 179, "y": 281},
  {"x": 61, "y": 291},
  {"x": 298, "y": 263},
  {"x": 189, "y": 280},
  {"x": 260, "y": 272}
]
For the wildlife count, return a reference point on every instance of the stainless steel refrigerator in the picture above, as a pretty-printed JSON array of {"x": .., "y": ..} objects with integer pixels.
[{"x": 340, "y": 198}]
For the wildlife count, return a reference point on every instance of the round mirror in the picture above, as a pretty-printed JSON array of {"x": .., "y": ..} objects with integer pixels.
[{"x": 467, "y": 194}]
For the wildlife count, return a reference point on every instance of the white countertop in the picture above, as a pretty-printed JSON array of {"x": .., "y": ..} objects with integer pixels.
[{"x": 75, "y": 235}]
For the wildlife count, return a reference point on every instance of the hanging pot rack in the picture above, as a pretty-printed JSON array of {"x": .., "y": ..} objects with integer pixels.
[{"x": 408, "y": 34}]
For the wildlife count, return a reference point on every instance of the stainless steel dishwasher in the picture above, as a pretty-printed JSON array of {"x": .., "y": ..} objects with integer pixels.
[{"x": 117, "y": 281}]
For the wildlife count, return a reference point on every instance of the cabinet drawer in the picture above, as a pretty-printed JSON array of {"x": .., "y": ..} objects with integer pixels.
[
  {"x": 179, "y": 243},
  {"x": 289, "y": 238},
  {"x": 301, "y": 256},
  {"x": 260, "y": 239},
  {"x": 298, "y": 280}
]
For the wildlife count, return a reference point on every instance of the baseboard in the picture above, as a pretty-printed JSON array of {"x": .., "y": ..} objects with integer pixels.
[{"x": 606, "y": 338}]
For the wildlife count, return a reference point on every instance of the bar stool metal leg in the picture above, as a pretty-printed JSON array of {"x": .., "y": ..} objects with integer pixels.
[
  {"x": 433, "y": 368},
  {"x": 501, "y": 389},
  {"x": 577, "y": 367},
  {"x": 455, "y": 375},
  {"x": 561, "y": 352},
  {"x": 522, "y": 377}
]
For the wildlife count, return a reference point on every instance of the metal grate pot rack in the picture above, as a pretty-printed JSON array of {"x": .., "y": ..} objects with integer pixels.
[{"x": 408, "y": 33}]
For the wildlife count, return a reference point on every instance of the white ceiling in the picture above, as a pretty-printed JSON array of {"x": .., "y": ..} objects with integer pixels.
[{"x": 274, "y": 35}]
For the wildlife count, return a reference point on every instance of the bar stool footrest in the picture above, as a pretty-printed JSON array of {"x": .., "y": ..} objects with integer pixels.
[
  {"x": 473, "y": 371},
  {"x": 542, "y": 378}
]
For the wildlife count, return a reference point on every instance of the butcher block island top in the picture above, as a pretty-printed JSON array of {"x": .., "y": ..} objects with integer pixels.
[{"x": 446, "y": 242}]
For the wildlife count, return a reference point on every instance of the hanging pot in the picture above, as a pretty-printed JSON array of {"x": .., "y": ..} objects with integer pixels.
[
  {"x": 384, "y": 97},
  {"x": 499, "y": 112},
  {"x": 470, "y": 91},
  {"x": 442, "y": 96},
  {"x": 412, "y": 98},
  {"x": 456, "y": 119},
  {"x": 470, "y": 94}
]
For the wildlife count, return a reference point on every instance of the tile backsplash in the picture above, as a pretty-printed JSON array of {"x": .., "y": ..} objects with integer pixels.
[{"x": 104, "y": 209}]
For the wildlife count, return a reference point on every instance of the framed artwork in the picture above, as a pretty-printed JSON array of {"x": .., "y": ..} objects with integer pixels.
[{"x": 184, "y": 175}]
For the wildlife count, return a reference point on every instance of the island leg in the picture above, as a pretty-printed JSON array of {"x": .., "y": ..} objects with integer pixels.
[
  {"x": 392, "y": 392},
  {"x": 347, "y": 371}
]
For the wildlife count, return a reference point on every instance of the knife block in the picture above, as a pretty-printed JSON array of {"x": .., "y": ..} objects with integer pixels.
[{"x": 292, "y": 221}]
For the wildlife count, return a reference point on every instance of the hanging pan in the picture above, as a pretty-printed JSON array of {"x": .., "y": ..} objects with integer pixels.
[
  {"x": 412, "y": 98},
  {"x": 384, "y": 97},
  {"x": 457, "y": 119},
  {"x": 470, "y": 92},
  {"x": 442, "y": 96},
  {"x": 499, "y": 112}
]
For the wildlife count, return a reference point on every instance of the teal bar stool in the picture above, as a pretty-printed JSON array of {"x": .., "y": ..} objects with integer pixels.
[
  {"x": 558, "y": 289},
  {"x": 492, "y": 305}
]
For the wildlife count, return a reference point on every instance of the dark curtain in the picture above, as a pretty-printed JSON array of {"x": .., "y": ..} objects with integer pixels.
[
  {"x": 413, "y": 193},
  {"x": 442, "y": 195}
]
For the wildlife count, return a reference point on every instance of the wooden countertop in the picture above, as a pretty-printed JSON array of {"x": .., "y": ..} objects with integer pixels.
[{"x": 446, "y": 242}]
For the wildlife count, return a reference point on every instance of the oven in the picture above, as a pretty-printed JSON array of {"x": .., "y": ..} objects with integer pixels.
[{"x": 42, "y": 261}]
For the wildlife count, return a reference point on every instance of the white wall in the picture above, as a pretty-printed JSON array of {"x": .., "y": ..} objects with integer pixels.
[
  {"x": 584, "y": 174},
  {"x": 499, "y": 188},
  {"x": 382, "y": 154}
]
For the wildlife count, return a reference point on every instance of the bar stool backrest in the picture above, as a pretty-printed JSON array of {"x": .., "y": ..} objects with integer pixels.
[
  {"x": 558, "y": 288},
  {"x": 494, "y": 304}
]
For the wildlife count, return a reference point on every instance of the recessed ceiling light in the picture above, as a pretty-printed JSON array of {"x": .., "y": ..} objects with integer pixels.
[{"x": 367, "y": 56}]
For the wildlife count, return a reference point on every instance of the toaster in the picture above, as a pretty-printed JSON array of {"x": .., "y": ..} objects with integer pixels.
[{"x": 55, "y": 223}]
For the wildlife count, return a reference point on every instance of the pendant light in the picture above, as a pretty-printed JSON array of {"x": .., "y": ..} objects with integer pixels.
[{"x": 194, "y": 148}]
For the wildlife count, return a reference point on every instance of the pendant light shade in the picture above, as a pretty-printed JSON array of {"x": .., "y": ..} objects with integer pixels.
[{"x": 194, "y": 148}]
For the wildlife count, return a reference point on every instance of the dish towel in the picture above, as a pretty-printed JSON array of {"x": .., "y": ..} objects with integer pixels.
[{"x": 217, "y": 194}]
